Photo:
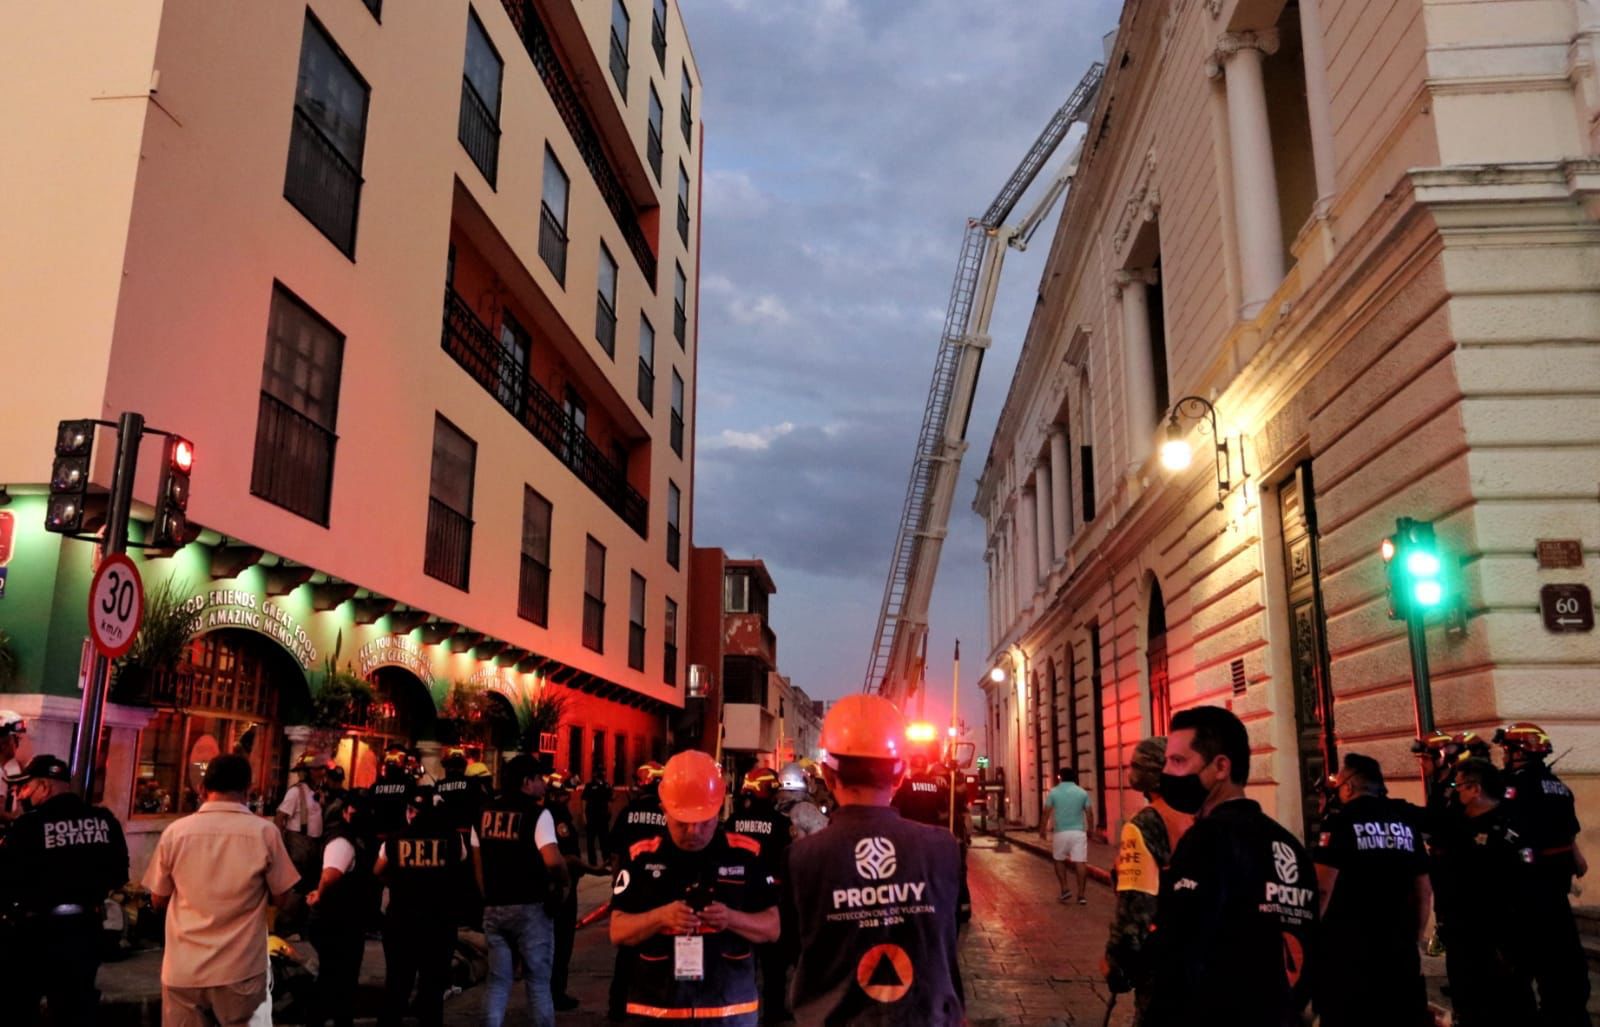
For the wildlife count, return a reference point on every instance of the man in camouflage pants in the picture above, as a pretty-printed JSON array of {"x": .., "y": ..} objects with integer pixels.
[{"x": 1144, "y": 851}]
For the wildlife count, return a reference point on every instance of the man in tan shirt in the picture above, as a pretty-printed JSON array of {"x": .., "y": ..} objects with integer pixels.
[{"x": 213, "y": 873}]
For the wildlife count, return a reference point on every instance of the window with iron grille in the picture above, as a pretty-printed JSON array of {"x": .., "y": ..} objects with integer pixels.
[
  {"x": 680, "y": 304},
  {"x": 677, "y": 413},
  {"x": 669, "y": 655},
  {"x": 619, "y": 46},
  {"x": 479, "y": 129},
  {"x": 448, "y": 554},
  {"x": 327, "y": 139},
  {"x": 605, "y": 303},
  {"x": 533, "y": 588},
  {"x": 553, "y": 217},
  {"x": 674, "y": 535},
  {"x": 594, "y": 596},
  {"x": 658, "y": 32},
  {"x": 647, "y": 364},
  {"x": 295, "y": 438},
  {"x": 511, "y": 379},
  {"x": 685, "y": 105},
  {"x": 636, "y": 622},
  {"x": 652, "y": 145},
  {"x": 683, "y": 205}
]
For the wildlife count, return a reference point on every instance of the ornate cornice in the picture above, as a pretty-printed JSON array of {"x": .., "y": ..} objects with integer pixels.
[
  {"x": 1143, "y": 204},
  {"x": 1265, "y": 41}
]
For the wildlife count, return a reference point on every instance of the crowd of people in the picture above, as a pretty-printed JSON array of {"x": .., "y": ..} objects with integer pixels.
[{"x": 822, "y": 895}]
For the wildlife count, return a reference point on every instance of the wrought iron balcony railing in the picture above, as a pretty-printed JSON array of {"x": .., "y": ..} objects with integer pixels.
[
  {"x": 533, "y": 592},
  {"x": 449, "y": 549},
  {"x": 293, "y": 465},
  {"x": 479, "y": 132},
  {"x": 322, "y": 184},
  {"x": 552, "y": 244}
]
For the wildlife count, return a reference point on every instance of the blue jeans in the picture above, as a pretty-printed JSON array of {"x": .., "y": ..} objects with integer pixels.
[{"x": 531, "y": 932}]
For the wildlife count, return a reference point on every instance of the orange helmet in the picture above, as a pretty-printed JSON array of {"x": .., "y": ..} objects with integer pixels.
[
  {"x": 1471, "y": 742},
  {"x": 761, "y": 781},
  {"x": 557, "y": 781},
  {"x": 1524, "y": 737},
  {"x": 862, "y": 725},
  {"x": 691, "y": 787},
  {"x": 648, "y": 774}
]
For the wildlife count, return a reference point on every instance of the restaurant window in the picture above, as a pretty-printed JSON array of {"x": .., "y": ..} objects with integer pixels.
[
  {"x": 594, "y": 596},
  {"x": 575, "y": 751},
  {"x": 636, "y": 622},
  {"x": 674, "y": 533},
  {"x": 553, "y": 217},
  {"x": 327, "y": 139},
  {"x": 685, "y": 105},
  {"x": 533, "y": 590},
  {"x": 669, "y": 656},
  {"x": 605, "y": 303},
  {"x": 295, "y": 440},
  {"x": 479, "y": 129},
  {"x": 448, "y": 553},
  {"x": 619, "y": 756},
  {"x": 683, "y": 204},
  {"x": 652, "y": 143},
  {"x": 647, "y": 364},
  {"x": 677, "y": 413},
  {"x": 680, "y": 304},
  {"x": 619, "y": 46}
]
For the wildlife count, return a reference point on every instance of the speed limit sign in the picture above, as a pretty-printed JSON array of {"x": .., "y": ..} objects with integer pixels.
[{"x": 116, "y": 605}]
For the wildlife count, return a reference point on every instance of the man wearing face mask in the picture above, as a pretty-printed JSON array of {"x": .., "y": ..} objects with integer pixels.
[{"x": 1239, "y": 903}]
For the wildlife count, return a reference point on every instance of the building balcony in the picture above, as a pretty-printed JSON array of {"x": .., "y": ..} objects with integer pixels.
[
  {"x": 747, "y": 634},
  {"x": 501, "y": 374},
  {"x": 479, "y": 132}
]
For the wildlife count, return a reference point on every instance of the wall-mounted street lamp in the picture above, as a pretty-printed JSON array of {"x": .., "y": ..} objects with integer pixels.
[
  {"x": 998, "y": 675},
  {"x": 1177, "y": 454}
]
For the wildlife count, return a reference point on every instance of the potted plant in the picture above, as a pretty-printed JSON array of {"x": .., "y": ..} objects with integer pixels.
[
  {"x": 157, "y": 647},
  {"x": 540, "y": 714}
]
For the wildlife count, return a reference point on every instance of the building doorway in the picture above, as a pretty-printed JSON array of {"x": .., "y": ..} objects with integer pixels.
[
  {"x": 402, "y": 713},
  {"x": 1156, "y": 661},
  {"x": 1308, "y": 645}
]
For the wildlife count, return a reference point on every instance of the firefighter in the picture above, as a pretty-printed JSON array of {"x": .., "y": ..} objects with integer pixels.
[
  {"x": 794, "y": 802},
  {"x": 693, "y": 903},
  {"x": 924, "y": 796},
  {"x": 482, "y": 779},
  {"x": 1143, "y": 855},
  {"x": 458, "y": 794},
  {"x": 876, "y": 893},
  {"x": 558, "y": 797},
  {"x": 1372, "y": 875},
  {"x": 642, "y": 818},
  {"x": 1541, "y": 806},
  {"x": 63, "y": 856},
  {"x": 756, "y": 816},
  {"x": 1234, "y": 925},
  {"x": 391, "y": 794}
]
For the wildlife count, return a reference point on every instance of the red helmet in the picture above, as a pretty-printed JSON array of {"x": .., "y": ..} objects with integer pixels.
[
  {"x": 648, "y": 774},
  {"x": 863, "y": 725},
  {"x": 762, "y": 781},
  {"x": 558, "y": 781},
  {"x": 1524, "y": 737},
  {"x": 692, "y": 789}
]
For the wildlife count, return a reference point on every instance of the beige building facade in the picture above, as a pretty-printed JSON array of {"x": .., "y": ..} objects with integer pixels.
[
  {"x": 1364, "y": 232},
  {"x": 420, "y": 282}
]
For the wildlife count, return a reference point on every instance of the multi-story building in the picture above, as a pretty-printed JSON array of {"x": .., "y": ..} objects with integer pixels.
[
  {"x": 419, "y": 283},
  {"x": 1364, "y": 235}
]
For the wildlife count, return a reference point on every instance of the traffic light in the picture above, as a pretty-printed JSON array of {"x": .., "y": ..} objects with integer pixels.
[
  {"x": 69, "y": 477},
  {"x": 1419, "y": 580},
  {"x": 171, "y": 527}
]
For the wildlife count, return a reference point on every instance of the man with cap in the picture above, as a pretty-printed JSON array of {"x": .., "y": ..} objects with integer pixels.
[
  {"x": 457, "y": 794},
  {"x": 558, "y": 797},
  {"x": 1143, "y": 854},
  {"x": 62, "y": 857},
  {"x": 641, "y": 819},
  {"x": 12, "y": 728},
  {"x": 694, "y": 903},
  {"x": 1372, "y": 877},
  {"x": 877, "y": 894},
  {"x": 524, "y": 878}
]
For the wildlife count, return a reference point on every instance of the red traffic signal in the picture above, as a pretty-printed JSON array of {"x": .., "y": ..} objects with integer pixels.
[
  {"x": 182, "y": 455},
  {"x": 170, "y": 529}
]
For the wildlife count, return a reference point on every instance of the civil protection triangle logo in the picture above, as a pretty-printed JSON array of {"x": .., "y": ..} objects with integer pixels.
[{"x": 875, "y": 858}]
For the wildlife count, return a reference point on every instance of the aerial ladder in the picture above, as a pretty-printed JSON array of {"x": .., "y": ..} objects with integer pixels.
[{"x": 895, "y": 669}]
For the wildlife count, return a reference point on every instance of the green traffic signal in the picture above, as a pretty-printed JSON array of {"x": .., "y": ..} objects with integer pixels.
[{"x": 1416, "y": 569}]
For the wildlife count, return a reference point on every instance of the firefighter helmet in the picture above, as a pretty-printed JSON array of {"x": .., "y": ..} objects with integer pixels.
[
  {"x": 792, "y": 778},
  {"x": 1471, "y": 743},
  {"x": 479, "y": 769},
  {"x": 558, "y": 781},
  {"x": 866, "y": 726},
  {"x": 11, "y": 723},
  {"x": 1524, "y": 737},
  {"x": 692, "y": 788},
  {"x": 455, "y": 756},
  {"x": 395, "y": 755},
  {"x": 762, "y": 781},
  {"x": 648, "y": 774}
]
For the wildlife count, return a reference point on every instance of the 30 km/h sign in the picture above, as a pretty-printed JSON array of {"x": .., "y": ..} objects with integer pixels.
[{"x": 116, "y": 606}]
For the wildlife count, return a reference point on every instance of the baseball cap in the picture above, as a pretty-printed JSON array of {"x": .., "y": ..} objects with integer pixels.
[{"x": 48, "y": 767}]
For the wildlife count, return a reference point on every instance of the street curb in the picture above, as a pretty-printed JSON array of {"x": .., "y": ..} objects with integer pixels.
[{"x": 1099, "y": 873}]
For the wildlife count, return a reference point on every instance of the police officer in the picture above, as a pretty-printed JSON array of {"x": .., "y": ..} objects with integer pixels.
[
  {"x": 558, "y": 799},
  {"x": 794, "y": 802},
  {"x": 63, "y": 857},
  {"x": 597, "y": 816},
  {"x": 1235, "y": 923},
  {"x": 755, "y": 815},
  {"x": 1542, "y": 807},
  {"x": 1372, "y": 875},
  {"x": 642, "y": 818},
  {"x": 419, "y": 863},
  {"x": 392, "y": 794},
  {"x": 343, "y": 906},
  {"x": 693, "y": 903},
  {"x": 876, "y": 893}
]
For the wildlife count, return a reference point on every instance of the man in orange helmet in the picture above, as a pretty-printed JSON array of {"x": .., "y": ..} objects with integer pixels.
[
  {"x": 877, "y": 894},
  {"x": 694, "y": 903}
]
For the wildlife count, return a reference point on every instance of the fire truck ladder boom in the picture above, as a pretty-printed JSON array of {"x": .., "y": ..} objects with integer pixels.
[{"x": 894, "y": 669}]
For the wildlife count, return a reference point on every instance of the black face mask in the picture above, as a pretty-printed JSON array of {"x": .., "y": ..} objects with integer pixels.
[{"x": 1184, "y": 792}]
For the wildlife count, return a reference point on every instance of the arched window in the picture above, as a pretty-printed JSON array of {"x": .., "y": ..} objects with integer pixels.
[{"x": 1156, "y": 660}]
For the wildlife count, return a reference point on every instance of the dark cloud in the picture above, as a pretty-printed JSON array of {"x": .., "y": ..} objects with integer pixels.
[{"x": 847, "y": 143}]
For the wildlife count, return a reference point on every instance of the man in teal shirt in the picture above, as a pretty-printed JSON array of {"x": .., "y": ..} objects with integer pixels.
[{"x": 1067, "y": 822}]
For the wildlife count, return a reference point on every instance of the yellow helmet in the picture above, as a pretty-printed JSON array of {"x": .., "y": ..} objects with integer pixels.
[{"x": 479, "y": 770}]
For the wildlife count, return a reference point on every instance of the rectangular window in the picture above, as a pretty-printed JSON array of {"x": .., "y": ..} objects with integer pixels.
[
  {"x": 327, "y": 139},
  {"x": 1156, "y": 313},
  {"x": 598, "y": 761},
  {"x": 575, "y": 751},
  {"x": 605, "y": 303},
  {"x": 575, "y": 447},
  {"x": 636, "y": 622},
  {"x": 553, "y": 218},
  {"x": 619, "y": 46},
  {"x": 652, "y": 145},
  {"x": 511, "y": 377},
  {"x": 594, "y": 596},
  {"x": 677, "y": 413},
  {"x": 683, "y": 205},
  {"x": 619, "y": 764},
  {"x": 658, "y": 32},
  {"x": 669, "y": 655},
  {"x": 647, "y": 364},
  {"x": 533, "y": 589},
  {"x": 449, "y": 544},
  {"x": 674, "y": 537},
  {"x": 295, "y": 438},
  {"x": 479, "y": 129},
  {"x": 680, "y": 304},
  {"x": 736, "y": 592},
  {"x": 685, "y": 105}
]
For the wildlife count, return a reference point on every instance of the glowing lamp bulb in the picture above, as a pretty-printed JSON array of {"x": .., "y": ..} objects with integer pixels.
[
  {"x": 1387, "y": 549},
  {"x": 1422, "y": 564},
  {"x": 1429, "y": 593},
  {"x": 997, "y": 675},
  {"x": 1176, "y": 454}
]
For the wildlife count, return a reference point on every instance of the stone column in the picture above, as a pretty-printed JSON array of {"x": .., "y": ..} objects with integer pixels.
[
  {"x": 1138, "y": 385},
  {"x": 1060, "y": 494},
  {"x": 1044, "y": 494},
  {"x": 992, "y": 596},
  {"x": 1003, "y": 587},
  {"x": 1318, "y": 109},
  {"x": 1027, "y": 548},
  {"x": 1255, "y": 180}
]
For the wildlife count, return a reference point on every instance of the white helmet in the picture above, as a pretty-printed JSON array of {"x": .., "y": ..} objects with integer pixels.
[
  {"x": 11, "y": 723},
  {"x": 792, "y": 778}
]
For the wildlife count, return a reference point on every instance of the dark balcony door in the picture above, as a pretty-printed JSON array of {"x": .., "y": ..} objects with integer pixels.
[
  {"x": 515, "y": 343},
  {"x": 1308, "y": 647}
]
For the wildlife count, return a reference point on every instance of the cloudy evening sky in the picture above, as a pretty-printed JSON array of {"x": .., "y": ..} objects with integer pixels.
[{"x": 847, "y": 141}]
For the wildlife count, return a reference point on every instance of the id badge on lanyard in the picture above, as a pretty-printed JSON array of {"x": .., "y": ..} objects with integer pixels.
[{"x": 689, "y": 958}]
